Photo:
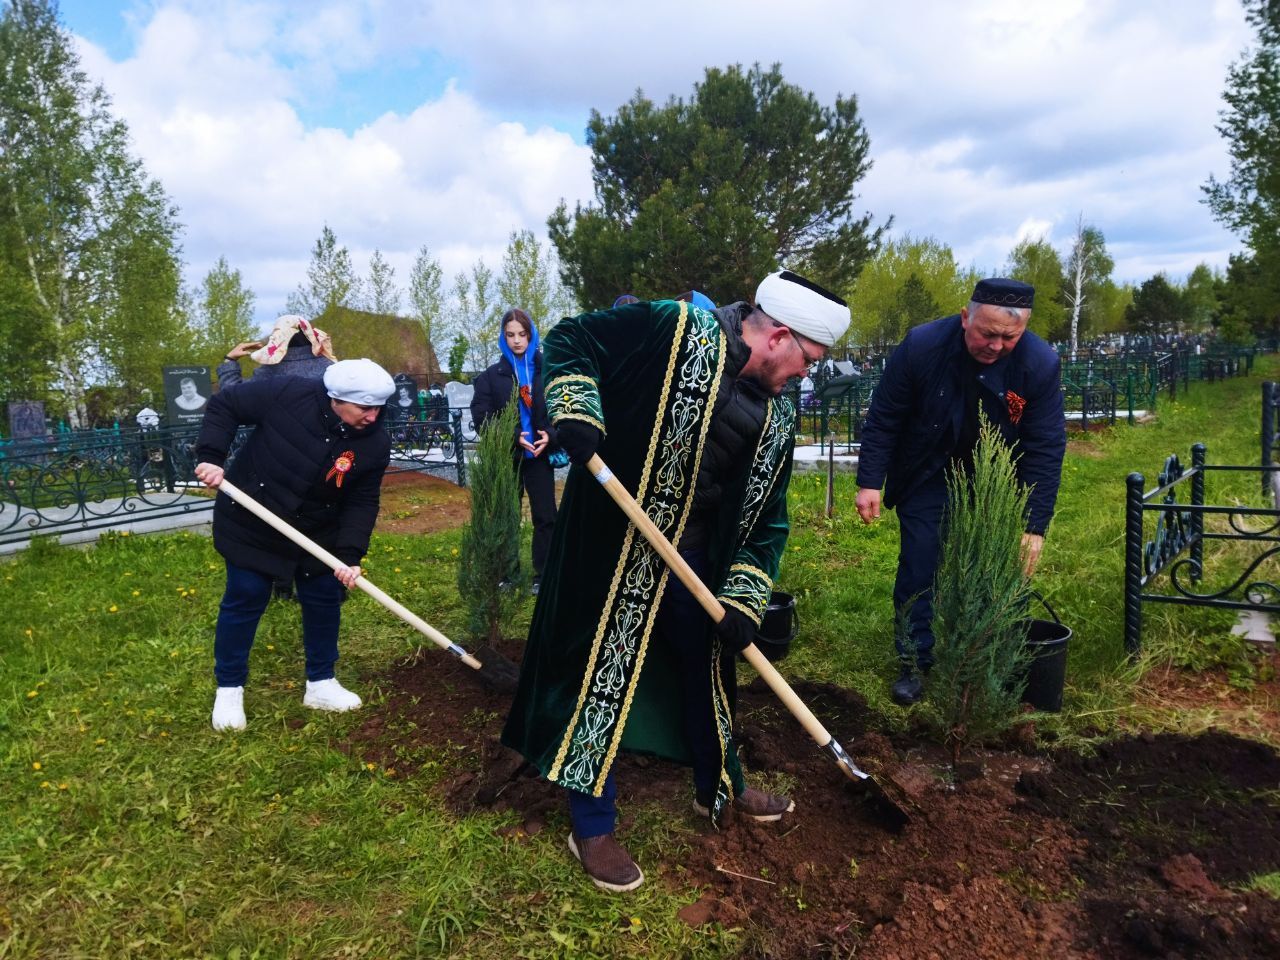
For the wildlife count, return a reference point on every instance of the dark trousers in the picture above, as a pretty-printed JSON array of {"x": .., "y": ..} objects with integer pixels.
[
  {"x": 920, "y": 521},
  {"x": 538, "y": 479},
  {"x": 243, "y": 602},
  {"x": 682, "y": 624}
]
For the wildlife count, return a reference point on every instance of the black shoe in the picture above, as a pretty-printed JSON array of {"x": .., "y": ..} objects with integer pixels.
[{"x": 908, "y": 689}]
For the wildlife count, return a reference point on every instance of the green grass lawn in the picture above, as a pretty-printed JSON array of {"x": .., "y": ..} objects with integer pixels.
[{"x": 131, "y": 829}]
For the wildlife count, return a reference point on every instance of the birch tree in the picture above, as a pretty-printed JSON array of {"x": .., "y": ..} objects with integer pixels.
[
  {"x": 529, "y": 280},
  {"x": 1088, "y": 267},
  {"x": 331, "y": 280},
  {"x": 475, "y": 315},
  {"x": 426, "y": 294},
  {"x": 92, "y": 238},
  {"x": 384, "y": 295}
]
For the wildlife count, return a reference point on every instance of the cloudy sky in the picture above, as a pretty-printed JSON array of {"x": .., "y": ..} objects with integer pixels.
[{"x": 404, "y": 123}]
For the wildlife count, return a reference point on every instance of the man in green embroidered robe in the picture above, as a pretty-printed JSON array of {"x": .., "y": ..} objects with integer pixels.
[{"x": 683, "y": 404}]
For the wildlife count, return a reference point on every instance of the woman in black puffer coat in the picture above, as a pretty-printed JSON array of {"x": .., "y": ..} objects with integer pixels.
[{"x": 315, "y": 459}]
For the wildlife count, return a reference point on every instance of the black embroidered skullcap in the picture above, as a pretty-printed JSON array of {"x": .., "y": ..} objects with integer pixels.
[{"x": 1003, "y": 292}]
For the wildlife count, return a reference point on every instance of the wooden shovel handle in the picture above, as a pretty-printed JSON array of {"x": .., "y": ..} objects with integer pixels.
[
  {"x": 681, "y": 569},
  {"x": 333, "y": 563}
]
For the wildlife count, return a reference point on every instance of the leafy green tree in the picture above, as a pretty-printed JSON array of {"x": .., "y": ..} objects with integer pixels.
[
  {"x": 384, "y": 296},
  {"x": 529, "y": 280},
  {"x": 914, "y": 304},
  {"x": 223, "y": 311},
  {"x": 714, "y": 192},
  {"x": 1200, "y": 297},
  {"x": 882, "y": 292},
  {"x": 476, "y": 314},
  {"x": 89, "y": 242},
  {"x": 1037, "y": 263},
  {"x": 1089, "y": 268},
  {"x": 1248, "y": 201},
  {"x": 457, "y": 357},
  {"x": 490, "y": 549},
  {"x": 1249, "y": 299},
  {"x": 426, "y": 293},
  {"x": 331, "y": 280},
  {"x": 1108, "y": 304},
  {"x": 1157, "y": 307}
]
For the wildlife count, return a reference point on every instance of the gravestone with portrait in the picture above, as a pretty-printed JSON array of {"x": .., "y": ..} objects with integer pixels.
[
  {"x": 26, "y": 419},
  {"x": 404, "y": 402},
  {"x": 186, "y": 391}
]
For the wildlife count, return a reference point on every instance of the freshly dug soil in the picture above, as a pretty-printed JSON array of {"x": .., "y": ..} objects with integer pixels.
[{"x": 1141, "y": 850}]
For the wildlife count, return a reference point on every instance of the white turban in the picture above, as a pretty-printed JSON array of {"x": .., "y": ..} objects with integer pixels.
[
  {"x": 359, "y": 381},
  {"x": 803, "y": 306}
]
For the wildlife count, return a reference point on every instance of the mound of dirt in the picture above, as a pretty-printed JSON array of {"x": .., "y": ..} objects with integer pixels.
[{"x": 1138, "y": 851}]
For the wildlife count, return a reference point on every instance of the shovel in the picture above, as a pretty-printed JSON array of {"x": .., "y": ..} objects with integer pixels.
[
  {"x": 498, "y": 676},
  {"x": 894, "y": 810}
]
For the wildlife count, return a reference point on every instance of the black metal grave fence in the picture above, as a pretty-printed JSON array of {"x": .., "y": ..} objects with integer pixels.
[
  {"x": 1176, "y": 548},
  {"x": 71, "y": 482}
]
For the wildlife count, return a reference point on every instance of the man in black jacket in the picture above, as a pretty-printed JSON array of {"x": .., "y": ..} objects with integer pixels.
[
  {"x": 316, "y": 459},
  {"x": 924, "y": 418}
]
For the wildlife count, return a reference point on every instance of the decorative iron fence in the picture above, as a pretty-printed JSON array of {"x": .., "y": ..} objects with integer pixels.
[
  {"x": 96, "y": 480},
  {"x": 1176, "y": 547}
]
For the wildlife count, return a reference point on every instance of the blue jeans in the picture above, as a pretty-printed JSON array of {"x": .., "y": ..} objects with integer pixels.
[{"x": 244, "y": 601}]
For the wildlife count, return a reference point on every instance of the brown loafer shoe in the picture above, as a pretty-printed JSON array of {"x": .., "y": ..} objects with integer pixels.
[
  {"x": 756, "y": 804},
  {"x": 607, "y": 863}
]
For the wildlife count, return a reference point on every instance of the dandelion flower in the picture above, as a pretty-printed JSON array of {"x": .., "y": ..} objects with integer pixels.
[
  {"x": 45, "y": 784},
  {"x": 113, "y": 609},
  {"x": 271, "y": 646},
  {"x": 32, "y": 693},
  {"x": 27, "y": 631},
  {"x": 35, "y": 765},
  {"x": 367, "y": 766},
  {"x": 137, "y": 593},
  {"x": 62, "y": 786},
  {"x": 99, "y": 742}
]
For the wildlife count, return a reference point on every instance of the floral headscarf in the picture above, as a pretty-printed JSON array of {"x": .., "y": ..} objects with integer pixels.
[{"x": 273, "y": 350}]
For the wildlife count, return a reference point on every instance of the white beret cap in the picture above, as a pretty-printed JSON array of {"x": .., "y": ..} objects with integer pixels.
[
  {"x": 359, "y": 381},
  {"x": 803, "y": 306}
]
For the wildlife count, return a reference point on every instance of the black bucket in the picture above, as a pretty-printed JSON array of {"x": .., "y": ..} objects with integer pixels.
[
  {"x": 778, "y": 626},
  {"x": 1047, "y": 669}
]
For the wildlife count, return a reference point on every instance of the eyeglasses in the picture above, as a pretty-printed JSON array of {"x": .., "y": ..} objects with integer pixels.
[{"x": 808, "y": 360}]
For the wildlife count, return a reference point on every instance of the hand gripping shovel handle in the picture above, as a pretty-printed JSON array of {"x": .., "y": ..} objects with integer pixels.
[
  {"x": 327, "y": 558},
  {"x": 813, "y": 726}
]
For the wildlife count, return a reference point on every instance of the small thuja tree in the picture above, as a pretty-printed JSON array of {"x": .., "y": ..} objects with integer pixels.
[
  {"x": 980, "y": 597},
  {"x": 490, "y": 549}
]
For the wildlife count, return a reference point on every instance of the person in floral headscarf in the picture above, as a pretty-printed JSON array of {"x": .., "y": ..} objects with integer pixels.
[
  {"x": 520, "y": 372},
  {"x": 296, "y": 348}
]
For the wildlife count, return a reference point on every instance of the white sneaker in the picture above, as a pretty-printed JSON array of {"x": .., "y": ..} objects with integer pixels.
[
  {"x": 228, "y": 709},
  {"x": 329, "y": 695}
]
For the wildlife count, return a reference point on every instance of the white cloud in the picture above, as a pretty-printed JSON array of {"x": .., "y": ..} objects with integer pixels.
[
  {"x": 212, "y": 117},
  {"x": 988, "y": 120}
]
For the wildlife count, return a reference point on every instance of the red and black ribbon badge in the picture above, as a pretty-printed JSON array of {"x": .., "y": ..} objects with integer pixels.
[
  {"x": 526, "y": 395},
  {"x": 1016, "y": 405},
  {"x": 346, "y": 460}
]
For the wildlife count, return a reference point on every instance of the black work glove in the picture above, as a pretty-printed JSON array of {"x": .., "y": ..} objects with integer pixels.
[
  {"x": 578, "y": 439},
  {"x": 736, "y": 631}
]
